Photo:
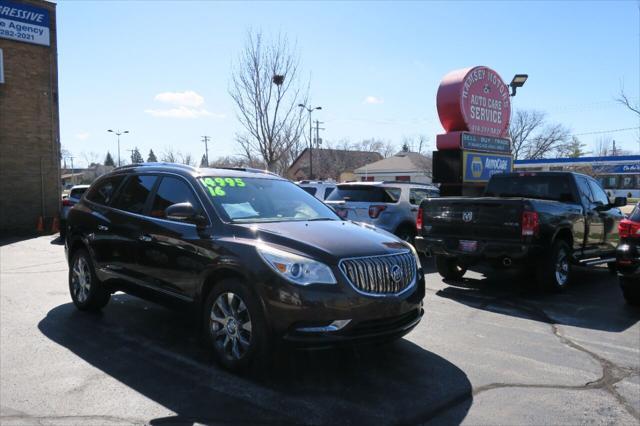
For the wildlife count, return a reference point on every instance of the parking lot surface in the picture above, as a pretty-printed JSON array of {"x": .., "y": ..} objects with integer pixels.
[{"x": 490, "y": 350}]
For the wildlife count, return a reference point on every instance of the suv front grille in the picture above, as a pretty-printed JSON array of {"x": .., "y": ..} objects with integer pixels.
[{"x": 384, "y": 275}]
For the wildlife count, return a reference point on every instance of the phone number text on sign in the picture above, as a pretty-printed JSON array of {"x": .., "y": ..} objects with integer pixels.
[{"x": 24, "y": 23}]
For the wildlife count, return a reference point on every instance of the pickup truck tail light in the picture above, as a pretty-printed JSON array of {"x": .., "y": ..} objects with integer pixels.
[
  {"x": 629, "y": 229},
  {"x": 530, "y": 223},
  {"x": 419, "y": 220},
  {"x": 374, "y": 211}
]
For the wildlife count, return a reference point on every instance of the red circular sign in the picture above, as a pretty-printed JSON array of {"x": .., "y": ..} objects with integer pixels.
[{"x": 475, "y": 100}]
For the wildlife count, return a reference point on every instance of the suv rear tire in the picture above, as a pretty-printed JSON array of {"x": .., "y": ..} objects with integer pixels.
[
  {"x": 554, "y": 272},
  {"x": 87, "y": 291},
  {"x": 449, "y": 268},
  {"x": 235, "y": 326}
]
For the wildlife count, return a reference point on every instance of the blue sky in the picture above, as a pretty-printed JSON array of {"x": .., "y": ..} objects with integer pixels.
[{"x": 116, "y": 57}]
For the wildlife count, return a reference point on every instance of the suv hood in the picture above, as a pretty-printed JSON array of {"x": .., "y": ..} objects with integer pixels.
[{"x": 325, "y": 239}]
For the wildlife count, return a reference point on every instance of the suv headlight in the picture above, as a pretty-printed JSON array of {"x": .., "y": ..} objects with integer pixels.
[{"x": 294, "y": 268}]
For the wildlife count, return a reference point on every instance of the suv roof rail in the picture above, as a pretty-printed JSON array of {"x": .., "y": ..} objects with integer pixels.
[
  {"x": 247, "y": 169},
  {"x": 408, "y": 182},
  {"x": 175, "y": 165}
]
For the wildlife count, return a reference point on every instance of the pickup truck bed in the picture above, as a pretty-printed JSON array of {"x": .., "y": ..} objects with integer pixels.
[{"x": 509, "y": 231}]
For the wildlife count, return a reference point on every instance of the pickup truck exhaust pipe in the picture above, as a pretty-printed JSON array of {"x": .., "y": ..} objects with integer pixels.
[{"x": 506, "y": 262}]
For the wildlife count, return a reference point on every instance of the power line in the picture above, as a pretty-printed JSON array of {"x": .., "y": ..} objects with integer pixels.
[{"x": 599, "y": 132}]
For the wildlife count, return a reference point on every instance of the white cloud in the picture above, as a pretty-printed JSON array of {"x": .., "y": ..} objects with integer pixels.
[
  {"x": 182, "y": 112},
  {"x": 188, "y": 98},
  {"x": 374, "y": 100},
  {"x": 187, "y": 104},
  {"x": 83, "y": 136}
]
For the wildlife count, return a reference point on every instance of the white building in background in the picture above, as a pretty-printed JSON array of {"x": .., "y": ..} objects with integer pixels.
[{"x": 404, "y": 166}]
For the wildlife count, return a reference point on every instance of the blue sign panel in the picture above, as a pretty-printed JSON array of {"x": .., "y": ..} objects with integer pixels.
[
  {"x": 619, "y": 168},
  {"x": 479, "y": 167},
  {"x": 24, "y": 23}
]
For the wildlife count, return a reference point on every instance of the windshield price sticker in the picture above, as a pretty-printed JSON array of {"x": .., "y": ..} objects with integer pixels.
[{"x": 215, "y": 185}]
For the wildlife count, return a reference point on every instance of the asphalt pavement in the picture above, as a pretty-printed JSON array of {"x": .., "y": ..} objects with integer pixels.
[{"x": 490, "y": 350}]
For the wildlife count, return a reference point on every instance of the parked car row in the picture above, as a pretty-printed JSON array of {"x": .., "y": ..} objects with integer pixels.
[{"x": 261, "y": 262}]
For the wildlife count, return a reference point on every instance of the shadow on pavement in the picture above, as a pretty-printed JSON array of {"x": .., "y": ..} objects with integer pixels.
[
  {"x": 593, "y": 300},
  {"x": 156, "y": 352}
]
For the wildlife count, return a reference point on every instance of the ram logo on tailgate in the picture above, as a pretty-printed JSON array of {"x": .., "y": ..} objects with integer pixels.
[{"x": 467, "y": 216}]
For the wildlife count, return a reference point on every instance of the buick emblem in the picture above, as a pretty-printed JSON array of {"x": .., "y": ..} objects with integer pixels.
[
  {"x": 396, "y": 273},
  {"x": 467, "y": 216}
]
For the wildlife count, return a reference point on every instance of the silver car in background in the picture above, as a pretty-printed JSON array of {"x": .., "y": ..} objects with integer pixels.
[
  {"x": 318, "y": 188},
  {"x": 75, "y": 193},
  {"x": 392, "y": 206}
]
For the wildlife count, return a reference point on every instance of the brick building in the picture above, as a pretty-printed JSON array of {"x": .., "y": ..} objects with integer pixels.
[{"x": 29, "y": 116}]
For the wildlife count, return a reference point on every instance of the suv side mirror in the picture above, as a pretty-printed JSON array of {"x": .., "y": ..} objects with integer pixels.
[
  {"x": 620, "y": 202},
  {"x": 184, "y": 212}
]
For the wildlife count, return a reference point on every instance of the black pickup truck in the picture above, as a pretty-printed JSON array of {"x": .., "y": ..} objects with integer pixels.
[{"x": 544, "y": 221}]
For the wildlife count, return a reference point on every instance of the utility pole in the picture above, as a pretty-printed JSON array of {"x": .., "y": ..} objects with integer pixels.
[
  {"x": 318, "y": 128},
  {"x": 310, "y": 110},
  {"x": 73, "y": 177},
  {"x": 614, "y": 148},
  {"x": 206, "y": 139}
]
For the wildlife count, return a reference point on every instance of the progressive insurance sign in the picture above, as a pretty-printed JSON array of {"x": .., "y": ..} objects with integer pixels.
[{"x": 21, "y": 22}]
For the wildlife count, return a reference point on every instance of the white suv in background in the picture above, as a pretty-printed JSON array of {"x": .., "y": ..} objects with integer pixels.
[{"x": 318, "y": 188}]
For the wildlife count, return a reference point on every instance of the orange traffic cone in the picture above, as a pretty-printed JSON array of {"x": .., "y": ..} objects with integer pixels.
[
  {"x": 55, "y": 226},
  {"x": 40, "y": 225}
]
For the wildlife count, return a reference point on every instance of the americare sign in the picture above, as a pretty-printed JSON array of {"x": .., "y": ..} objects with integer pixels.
[
  {"x": 24, "y": 23},
  {"x": 474, "y": 100}
]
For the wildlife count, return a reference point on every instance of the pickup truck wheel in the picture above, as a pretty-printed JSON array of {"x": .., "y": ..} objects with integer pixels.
[
  {"x": 630, "y": 290},
  {"x": 407, "y": 234},
  {"x": 555, "y": 271},
  {"x": 449, "y": 268}
]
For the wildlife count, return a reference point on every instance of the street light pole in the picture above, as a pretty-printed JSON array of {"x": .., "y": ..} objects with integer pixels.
[
  {"x": 310, "y": 110},
  {"x": 118, "y": 133}
]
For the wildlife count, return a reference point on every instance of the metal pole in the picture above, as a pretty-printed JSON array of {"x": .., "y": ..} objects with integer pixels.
[
  {"x": 119, "y": 163},
  {"x": 310, "y": 147},
  {"x": 73, "y": 177}
]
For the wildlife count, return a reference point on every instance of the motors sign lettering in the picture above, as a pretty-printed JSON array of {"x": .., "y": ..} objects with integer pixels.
[{"x": 25, "y": 23}]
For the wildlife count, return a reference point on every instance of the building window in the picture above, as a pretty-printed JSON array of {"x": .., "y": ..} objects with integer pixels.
[
  {"x": 367, "y": 178},
  {"x": 403, "y": 178}
]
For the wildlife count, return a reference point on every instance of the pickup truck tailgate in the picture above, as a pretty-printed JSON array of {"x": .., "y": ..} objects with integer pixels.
[{"x": 473, "y": 218}]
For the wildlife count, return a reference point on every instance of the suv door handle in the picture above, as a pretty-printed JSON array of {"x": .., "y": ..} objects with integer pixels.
[
  {"x": 103, "y": 228},
  {"x": 414, "y": 209},
  {"x": 145, "y": 238}
]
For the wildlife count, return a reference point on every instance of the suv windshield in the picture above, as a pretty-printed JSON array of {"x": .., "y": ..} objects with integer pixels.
[
  {"x": 366, "y": 193},
  {"x": 249, "y": 200},
  {"x": 544, "y": 187}
]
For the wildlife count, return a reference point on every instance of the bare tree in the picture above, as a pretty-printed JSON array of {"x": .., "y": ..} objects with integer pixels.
[
  {"x": 265, "y": 88},
  {"x": 532, "y": 138},
  {"x": 90, "y": 158},
  {"x": 602, "y": 147},
  {"x": 168, "y": 155},
  {"x": 418, "y": 143},
  {"x": 623, "y": 99},
  {"x": 186, "y": 158}
]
